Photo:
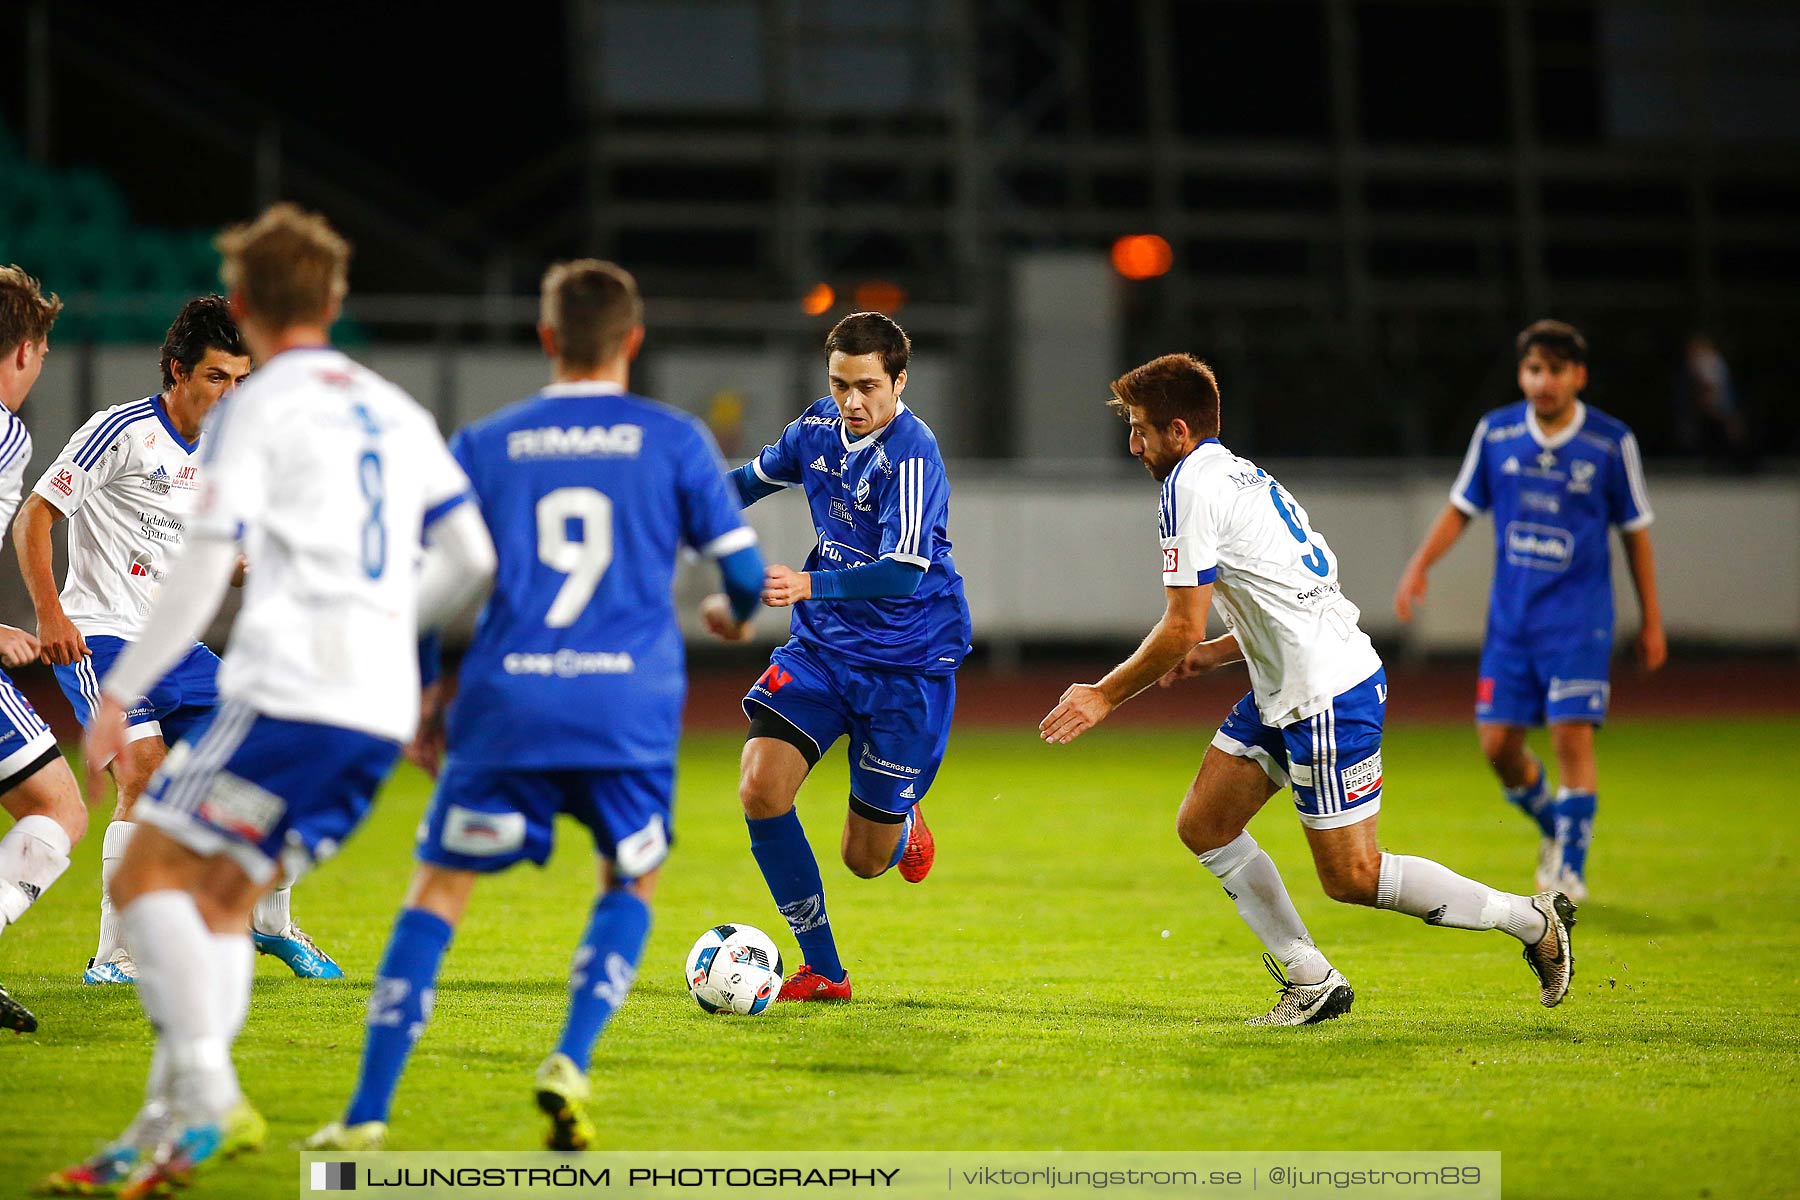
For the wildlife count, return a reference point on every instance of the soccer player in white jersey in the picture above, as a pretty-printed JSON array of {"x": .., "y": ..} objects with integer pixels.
[
  {"x": 36, "y": 787},
  {"x": 325, "y": 474},
  {"x": 126, "y": 482},
  {"x": 1312, "y": 719}
]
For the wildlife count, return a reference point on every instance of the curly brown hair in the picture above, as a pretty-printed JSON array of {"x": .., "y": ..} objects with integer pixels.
[{"x": 26, "y": 313}]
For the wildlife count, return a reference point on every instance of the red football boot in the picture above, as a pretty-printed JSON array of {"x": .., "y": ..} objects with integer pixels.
[
  {"x": 920, "y": 852},
  {"x": 808, "y": 984}
]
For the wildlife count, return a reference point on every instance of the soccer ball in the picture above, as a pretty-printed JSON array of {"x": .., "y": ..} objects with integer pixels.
[{"x": 734, "y": 969}]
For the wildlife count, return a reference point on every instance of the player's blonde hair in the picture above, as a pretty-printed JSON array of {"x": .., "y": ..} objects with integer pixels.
[
  {"x": 591, "y": 306},
  {"x": 26, "y": 314},
  {"x": 289, "y": 266}
]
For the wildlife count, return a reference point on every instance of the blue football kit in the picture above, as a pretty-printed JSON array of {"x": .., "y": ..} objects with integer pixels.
[
  {"x": 881, "y": 669},
  {"x": 1554, "y": 502},
  {"x": 571, "y": 693}
]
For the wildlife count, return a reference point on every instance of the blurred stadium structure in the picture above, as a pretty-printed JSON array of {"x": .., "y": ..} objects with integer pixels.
[{"x": 1360, "y": 202}]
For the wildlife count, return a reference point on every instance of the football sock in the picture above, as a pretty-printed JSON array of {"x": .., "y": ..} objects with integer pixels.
[
  {"x": 112, "y": 853},
  {"x": 183, "y": 997},
  {"x": 399, "y": 1005},
  {"x": 1439, "y": 896},
  {"x": 272, "y": 913},
  {"x": 234, "y": 959},
  {"x": 1574, "y": 827},
  {"x": 1534, "y": 799},
  {"x": 905, "y": 833},
  {"x": 780, "y": 847},
  {"x": 33, "y": 855},
  {"x": 605, "y": 966},
  {"x": 1248, "y": 875}
]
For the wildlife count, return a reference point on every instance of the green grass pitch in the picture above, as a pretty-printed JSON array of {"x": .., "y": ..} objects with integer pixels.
[{"x": 1067, "y": 978}]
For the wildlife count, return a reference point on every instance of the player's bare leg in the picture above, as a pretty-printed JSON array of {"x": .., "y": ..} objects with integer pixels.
[
  {"x": 1578, "y": 777},
  {"x": 1526, "y": 785},
  {"x": 769, "y": 778},
  {"x": 1354, "y": 870},
  {"x": 48, "y": 819},
  {"x": 131, "y": 770},
  {"x": 1226, "y": 793}
]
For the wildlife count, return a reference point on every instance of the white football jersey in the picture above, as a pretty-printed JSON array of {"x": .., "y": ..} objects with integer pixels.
[
  {"x": 327, "y": 472},
  {"x": 15, "y": 456},
  {"x": 1227, "y": 522},
  {"x": 126, "y": 481}
]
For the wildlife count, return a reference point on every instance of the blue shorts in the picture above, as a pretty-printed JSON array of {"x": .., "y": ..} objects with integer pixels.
[
  {"x": 898, "y": 723},
  {"x": 271, "y": 794},
  {"x": 181, "y": 706},
  {"x": 488, "y": 818},
  {"x": 24, "y": 738},
  {"x": 1332, "y": 760},
  {"x": 1521, "y": 685}
]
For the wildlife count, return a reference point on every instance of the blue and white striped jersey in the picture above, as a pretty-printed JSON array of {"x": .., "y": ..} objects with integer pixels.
[
  {"x": 1554, "y": 500},
  {"x": 15, "y": 456},
  {"x": 885, "y": 495}
]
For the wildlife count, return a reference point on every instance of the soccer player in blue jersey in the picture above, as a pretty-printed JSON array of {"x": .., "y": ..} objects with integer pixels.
[
  {"x": 571, "y": 692},
  {"x": 37, "y": 788},
  {"x": 879, "y": 628},
  {"x": 1557, "y": 476}
]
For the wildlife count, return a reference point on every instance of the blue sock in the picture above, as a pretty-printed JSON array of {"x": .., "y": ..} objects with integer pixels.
[
  {"x": 780, "y": 847},
  {"x": 905, "y": 834},
  {"x": 1574, "y": 827},
  {"x": 1535, "y": 801},
  {"x": 605, "y": 966},
  {"x": 399, "y": 1006}
]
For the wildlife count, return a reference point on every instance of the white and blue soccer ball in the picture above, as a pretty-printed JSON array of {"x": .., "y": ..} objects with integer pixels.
[{"x": 734, "y": 969}]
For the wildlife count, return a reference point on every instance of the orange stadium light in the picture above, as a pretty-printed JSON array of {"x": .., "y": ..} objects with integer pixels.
[
  {"x": 880, "y": 295},
  {"x": 1142, "y": 256},
  {"x": 818, "y": 299}
]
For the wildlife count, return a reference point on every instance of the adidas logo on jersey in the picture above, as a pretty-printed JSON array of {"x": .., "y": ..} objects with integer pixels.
[
  {"x": 1510, "y": 467},
  {"x": 159, "y": 481},
  {"x": 818, "y": 464},
  {"x": 909, "y": 793}
]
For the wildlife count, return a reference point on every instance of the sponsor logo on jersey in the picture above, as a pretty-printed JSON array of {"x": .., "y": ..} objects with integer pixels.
[
  {"x": 1542, "y": 501},
  {"x": 1581, "y": 476},
  {"x": 482, "y": 834},
  {"x": 1245, "y": 479},
  {"x": 63, "y": 482},
  {"x": 159, "y": 481},
  {"x": 143, "y": 566},
  {"x": 568, "y": 664},
  {"x": 1323, "y": 590},
  {"x": 592, "y": 441},
  {"x": 909, "y": 793},
  {"x": 870, "y": 761},
  {"x": 160, "y": 528},
  {"x": 818, "y": 420},
  {"x": 1596, "y": 692},
  {"x": 1171, "y": 558},
  {"x": 240, "y": 807},
  {"x": 1539, "y": 547},
  {"x": 841, "y": 511},
  {"x": 1505, "y": 432}
]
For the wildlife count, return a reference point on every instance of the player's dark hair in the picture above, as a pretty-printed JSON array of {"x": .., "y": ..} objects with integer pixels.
[
  {"x": 871, "y": 333},
  {"x": 1171, "y": 387},
  {"x": 26, "y": 314},
  {"x": 203, "y": 324},
  {"x": 1559, "y": 340},
  {"x": 592, "y": 306}
]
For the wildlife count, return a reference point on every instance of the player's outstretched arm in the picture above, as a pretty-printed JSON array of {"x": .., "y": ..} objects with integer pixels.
[
  {"x": 459, "y": 566},
  {"x": 750, "y": 486},
  {"x": 61, "y": 642},
  {"x": 1207, "y": 656},
  {"x": 1443, "y": 534},
  {"x": 1085, "y": 705},
  {"x": 1652, "y": 644}
]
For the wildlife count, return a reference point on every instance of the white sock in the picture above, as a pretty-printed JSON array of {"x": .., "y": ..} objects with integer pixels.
[
  {"x": 181, "y": 994},
  {"x": 112, "y": 853},
  {"x": 1439, "y": 896},
  {"x": 33, "y": 855},
  {"x": 234, "y": 959},
  {"x": 272, "y": 913},
  {"x": 1249, "y": 877}
]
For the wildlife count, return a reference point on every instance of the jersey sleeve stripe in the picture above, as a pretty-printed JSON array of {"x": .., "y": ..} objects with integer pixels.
[
  {"x": 730, "y": 542},
  {"x": 1471, "y": 460},
  {"x": 1634, "y": 479},
  {"x": 912, "y": 504},
  {"x": 911, "y": 560},
  {"x": 442, "y": 508},
  {"x": 96, "y": 445},
  {"x": 15, "y": 438},
  {"x": 756, "y": 465}
]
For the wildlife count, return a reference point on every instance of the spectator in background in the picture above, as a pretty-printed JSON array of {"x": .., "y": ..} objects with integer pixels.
[{"x": 1709, "y": 418}]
